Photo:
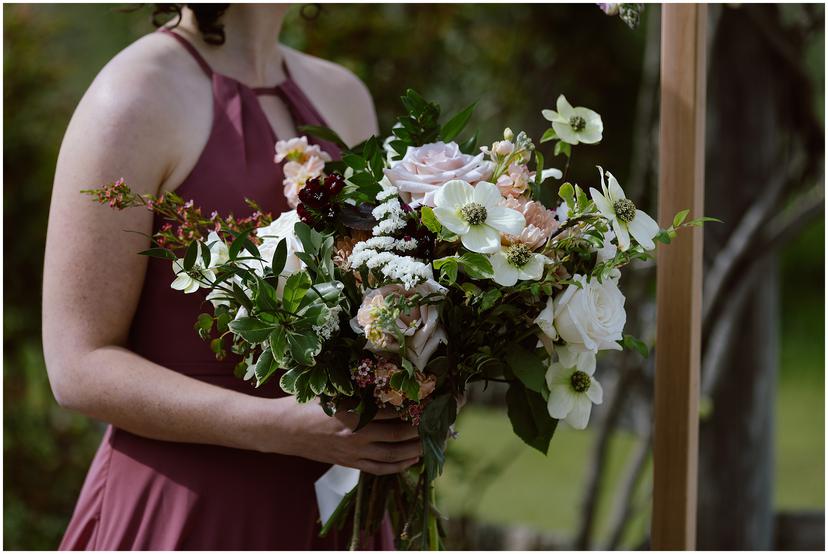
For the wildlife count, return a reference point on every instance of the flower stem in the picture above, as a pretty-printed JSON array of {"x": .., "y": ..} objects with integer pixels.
[{"x": 354, "y": 544}]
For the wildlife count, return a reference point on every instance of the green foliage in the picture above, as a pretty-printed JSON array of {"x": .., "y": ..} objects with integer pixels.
[{"x": 530, "y": 420}]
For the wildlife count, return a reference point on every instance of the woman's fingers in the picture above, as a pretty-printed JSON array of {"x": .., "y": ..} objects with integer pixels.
[
  {"x": 392, "y": 452},
  {"x": 351, "y": 419},
  {"x": 388, "y": 431},
  {"x": 378, "y": 468}
]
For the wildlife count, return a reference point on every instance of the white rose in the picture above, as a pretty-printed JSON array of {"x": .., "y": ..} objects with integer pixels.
[
  {"x": 271, "y": 235},
  {"x": 546, "y": 322},
  {"x": 545, "y": 319},
  {"x": 591, "y": 317},
  {"x": 219, "y": 253},
  {"x": 280, "y": 228},
  {"x": 423, "y": 170}
]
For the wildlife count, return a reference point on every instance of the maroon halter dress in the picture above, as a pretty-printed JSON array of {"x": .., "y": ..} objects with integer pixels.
[{"x": 145, "y": 494}]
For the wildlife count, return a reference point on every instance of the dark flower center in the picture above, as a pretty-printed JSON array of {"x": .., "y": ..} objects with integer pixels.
[
  {"x": 474, "y": 213},
  {"x": 518, "y": 254},
  {"x": 624, "y": 209},
  {"x": 580, "y": 381},
  {"x": 577, "y": 123}
]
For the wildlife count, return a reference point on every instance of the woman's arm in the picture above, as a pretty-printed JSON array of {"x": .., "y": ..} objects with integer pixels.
[{"x": 129, "y": 125}]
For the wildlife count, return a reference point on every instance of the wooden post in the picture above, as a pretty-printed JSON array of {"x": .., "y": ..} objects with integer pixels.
[{"x": 678, "y": 350}]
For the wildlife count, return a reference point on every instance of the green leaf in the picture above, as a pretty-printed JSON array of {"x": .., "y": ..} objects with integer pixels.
[
  {"x": 476, "y": 266},
  {"x": 311, "y": 239},
  {"x": 631, "y": 343},
  {"x": 278, "y": 344},
  {"x": 435, "y": 421},
  {"x": 266, "y": 299},
  {"x": 698, "y": 222},
  {"x": 489, "y": 299},
  {"x": 303, "y": 347},
  {"x": 564, "y": 148},
  {"x": 456, "y": 124},
  {"x": 538, "y": 168},
  {"x": 162, "y": 253},
  {"x": 434, "y": 456},
  {"x": 205, "y": 254},
  {"x": 448, "y": 271},
  {"x": 548, "y": 135},
  {"x": 237, "y": 244},
  {"x": 322, "y": 293},
  {"x": 295, "y": 288},
  {"x": 341, "y": 380},
  {"x": 468, "y": 147},
  {"x": 680, "y": 217},
  {"x": 430, "y": 220},
  {"x": 203, "y": 325},
  {"x": 581, "y": 199},
  {"x": 279, "y": 257},
  {"x": 251, "y": 329},
  {"x": 530, "y": 420},
  {"x": 567, "y": 194},
  {"x": 324, "y": 133},
  {"x": 288, "y": 380},
  {"x": 264, "y": 367},
  {"x": 318, "y": 380},
  {"x": 190, "y": 256},
  {"x": 302, "y": 385},
  {"x": 528, "y": 367}
]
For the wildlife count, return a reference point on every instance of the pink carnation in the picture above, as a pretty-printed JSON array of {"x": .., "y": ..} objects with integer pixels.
[{"x": 540, "y": 222}]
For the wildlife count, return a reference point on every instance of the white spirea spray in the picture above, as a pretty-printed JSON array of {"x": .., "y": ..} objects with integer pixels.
[{"x": 377, "y": 252}]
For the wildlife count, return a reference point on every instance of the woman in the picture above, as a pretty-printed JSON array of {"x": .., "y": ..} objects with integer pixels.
[{"x": 193, "y": 457}]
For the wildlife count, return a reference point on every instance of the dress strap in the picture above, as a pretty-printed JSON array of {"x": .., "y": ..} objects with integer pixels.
[{"x": 191, "y": 49}]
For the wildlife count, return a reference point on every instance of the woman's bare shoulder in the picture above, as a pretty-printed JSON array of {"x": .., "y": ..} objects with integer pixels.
[
  {"x": 341, "y": 97},
  {"x": 153, "y": 88}
]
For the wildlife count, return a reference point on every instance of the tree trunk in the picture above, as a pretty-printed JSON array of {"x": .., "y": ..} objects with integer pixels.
[{"x": 746, "y": 120}]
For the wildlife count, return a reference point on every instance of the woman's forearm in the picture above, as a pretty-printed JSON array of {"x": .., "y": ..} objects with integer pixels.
[{"x": 117, "y": 386}]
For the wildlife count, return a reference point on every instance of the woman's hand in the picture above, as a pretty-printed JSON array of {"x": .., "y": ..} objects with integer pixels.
[{"x": 385, "y": 446}]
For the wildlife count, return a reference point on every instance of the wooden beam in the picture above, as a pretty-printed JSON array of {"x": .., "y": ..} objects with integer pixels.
[{"x": 678, "y": 349}]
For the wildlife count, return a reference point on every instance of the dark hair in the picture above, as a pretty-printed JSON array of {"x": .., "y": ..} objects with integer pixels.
[{"x": 207, "y": 17}]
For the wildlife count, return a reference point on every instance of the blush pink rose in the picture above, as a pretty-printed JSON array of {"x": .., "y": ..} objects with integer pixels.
[
  {"x": 420, "y": 326},
  {"x": 423, "y": 170}
]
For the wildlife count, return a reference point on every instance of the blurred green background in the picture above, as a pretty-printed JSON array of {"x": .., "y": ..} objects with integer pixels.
[{"x": 515, "y": 60}]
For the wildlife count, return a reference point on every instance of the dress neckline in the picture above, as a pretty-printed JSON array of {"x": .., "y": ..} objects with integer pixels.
[{"x": 210, "y": 72}]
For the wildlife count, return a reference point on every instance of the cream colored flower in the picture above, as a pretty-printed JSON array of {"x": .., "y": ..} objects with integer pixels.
[
  {"x": 575, "y": 125},
  {"x": 475, "y": 215},
  {"x": 572, "y": 387},
  {"x": 622, "y": 214}
]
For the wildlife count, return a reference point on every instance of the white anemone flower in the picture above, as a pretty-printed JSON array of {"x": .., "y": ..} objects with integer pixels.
[
  {"x": 572, "y": 387},
  {"x": 575, "y": 125},
  {"x": 622, "y": 214},
  {"x": 190, "y": 281},
  {"x": 474, "y": 214},
  {"x": 199, "y": 275},
  {"x": 516, "y": 263}
]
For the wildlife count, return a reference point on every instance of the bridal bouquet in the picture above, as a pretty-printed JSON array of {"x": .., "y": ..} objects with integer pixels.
[{"x": 410, "y": 268}]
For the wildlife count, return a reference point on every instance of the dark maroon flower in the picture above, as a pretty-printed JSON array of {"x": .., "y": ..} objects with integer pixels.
[{"x": 334, "y": 183}]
